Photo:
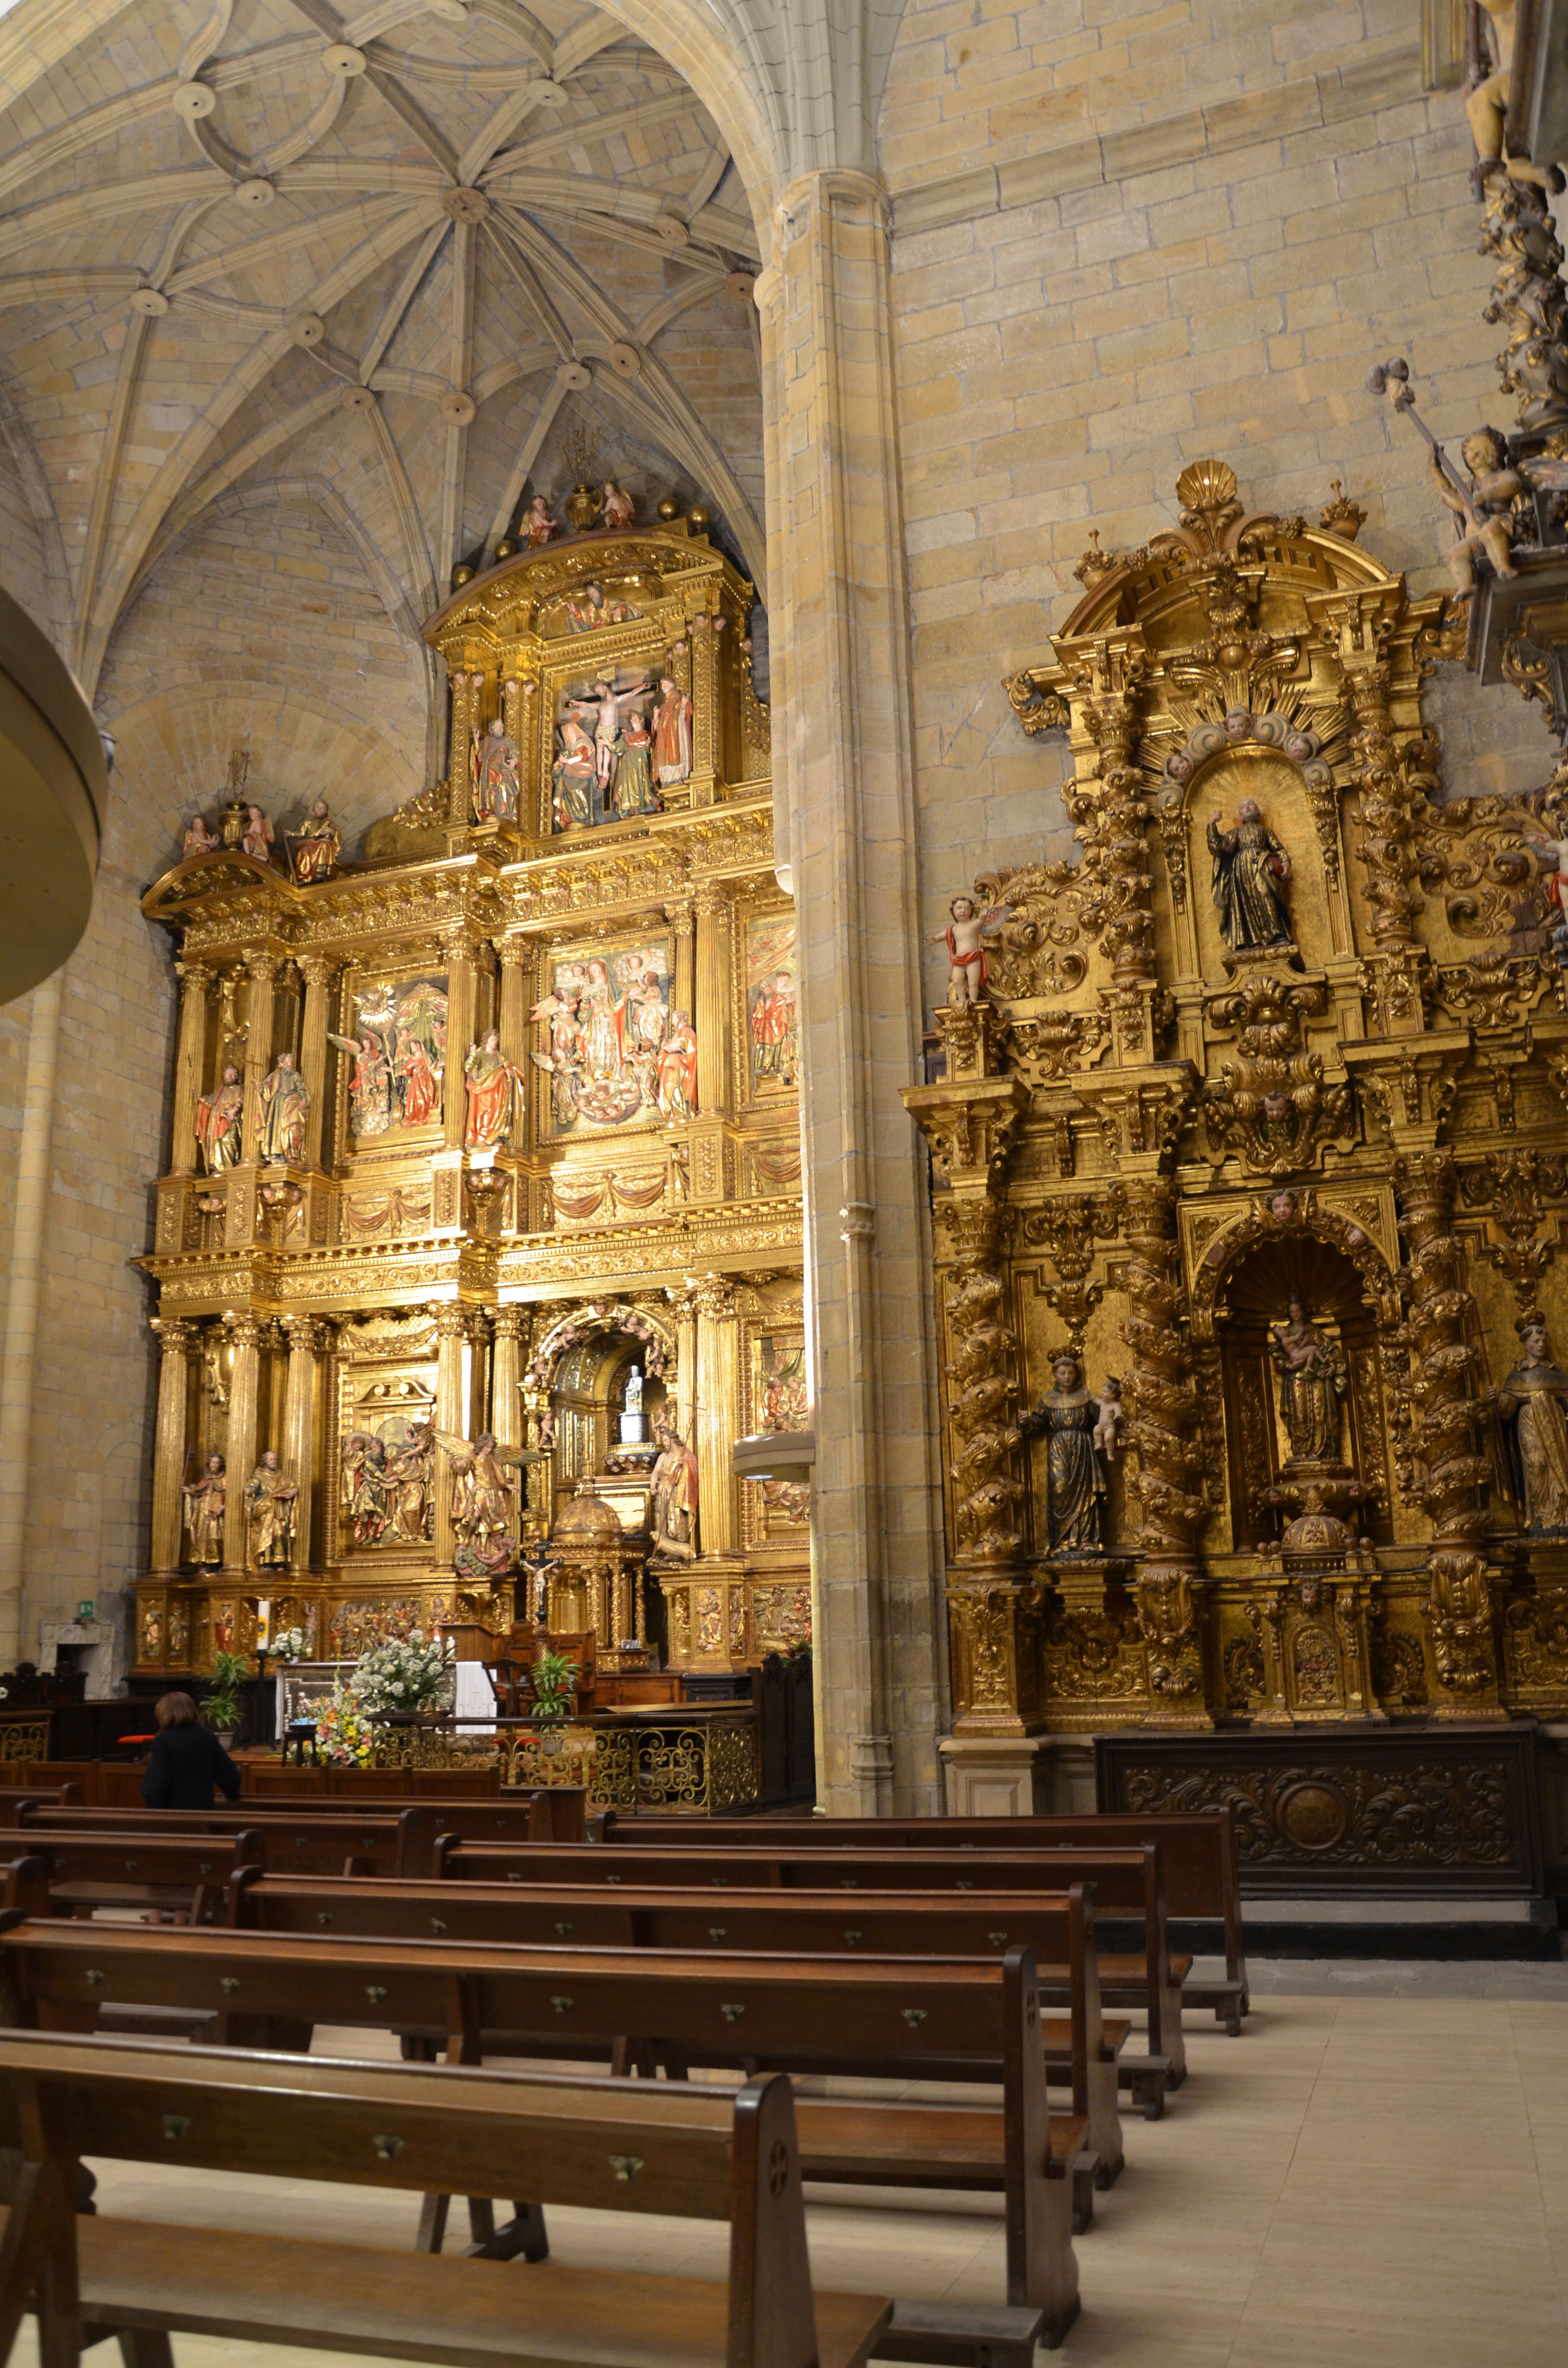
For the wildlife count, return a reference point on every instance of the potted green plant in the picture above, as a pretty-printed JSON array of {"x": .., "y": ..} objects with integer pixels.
[
  {"x": 222, "y": 1707},
  {"x": 555, "y": 1679}
]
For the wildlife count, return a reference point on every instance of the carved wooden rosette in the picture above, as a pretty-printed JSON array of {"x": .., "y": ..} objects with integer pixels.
[{"x": 1445, "y": 1419}]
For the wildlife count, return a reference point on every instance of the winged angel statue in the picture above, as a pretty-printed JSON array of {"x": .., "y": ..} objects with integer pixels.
[{"x": 483, "y": 1513}]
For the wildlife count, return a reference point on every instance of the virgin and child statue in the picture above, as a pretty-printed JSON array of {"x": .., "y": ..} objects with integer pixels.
[
  {"x": 1309, "y": 1365},
  {"x": 1251, "y": 868}
]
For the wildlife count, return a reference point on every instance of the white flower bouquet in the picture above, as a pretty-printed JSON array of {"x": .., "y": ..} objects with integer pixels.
[{"x": 413, "y": 1676}]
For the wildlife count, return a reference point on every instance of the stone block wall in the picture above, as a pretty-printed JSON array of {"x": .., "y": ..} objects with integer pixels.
[{"x": 1126, "y": 238}]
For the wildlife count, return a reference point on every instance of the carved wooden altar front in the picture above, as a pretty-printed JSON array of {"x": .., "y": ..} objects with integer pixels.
[
  {"x": 484, "y": 1157},
  {"x": 1260, "y": 1111}
]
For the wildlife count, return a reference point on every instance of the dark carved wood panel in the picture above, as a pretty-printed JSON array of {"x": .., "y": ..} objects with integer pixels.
[{"x": 1348, "y": 1809}]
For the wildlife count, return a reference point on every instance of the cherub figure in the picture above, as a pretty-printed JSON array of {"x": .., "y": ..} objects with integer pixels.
[
  {"x": 1483, "y": 513},
  {"x": 539, "y": 526},
  {"x": 198, "y": 839},
  {"x": 965, "y": 938},
  {"x": 1111, "y": 1417},
  {"x": 619, "y": 508}
]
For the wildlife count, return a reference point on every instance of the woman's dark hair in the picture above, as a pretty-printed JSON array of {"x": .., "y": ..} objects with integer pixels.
[{"x": 176, "y": 1710}]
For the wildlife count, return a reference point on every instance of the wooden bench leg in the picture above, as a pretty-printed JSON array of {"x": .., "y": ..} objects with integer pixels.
[
  {"x": 1083, "y": 2195},
  {"x": 523, "y": 2238},
  {"x": 433, "y": 2213},
  {"x": 145, "y": 2347}
]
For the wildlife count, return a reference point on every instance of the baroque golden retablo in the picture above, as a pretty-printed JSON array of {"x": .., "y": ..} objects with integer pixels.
[
  {"x": 1249, "y": 1170},
  {"x": 483, "y": 1186}
]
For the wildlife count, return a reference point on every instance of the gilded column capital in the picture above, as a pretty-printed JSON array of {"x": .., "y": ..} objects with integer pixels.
[
  {"x": 245, "y": 1331},
  {"x": 262, "y": 967},
  {"x": 515, "y": 954},
  {"x": 318, "y": 970},
  {"x": 476, "y": 1325},
  {"x": 715, "y": 1299},
  {"x": 683, "y": 921},
  {"x": 510, "y": 1323},
  {"x": 175, "y": 1336},
  {"x": 711, "y": 898},
  {"x": 456, "y": 942},
  {"x": 307, "y": 1334},
  {"x": 193, "y": 973},
  {"x": 452, "y": 1321}
]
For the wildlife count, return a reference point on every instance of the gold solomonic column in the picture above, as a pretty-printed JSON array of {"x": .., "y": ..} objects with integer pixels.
[
  {"x": 970, "y": 1120},
  {"x": 244, "y": 1407},
  {"x": 174, "y": 1340},
  {"x": 195, "y": 979},
  {"x": 307, "y": 1334}
]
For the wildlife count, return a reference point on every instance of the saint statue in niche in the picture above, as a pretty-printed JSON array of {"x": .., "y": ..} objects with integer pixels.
[
  {"x": 677, "y": 1069},
  {"x": 575, "y": 773},
  {"x": 494, "y": 760},
  {"x": 489, "y": 1080},
  {"x": 634, "y": 790},
  {"x": 1530, "y": 1405},
  {"x": 270, "y": 1502},
  {"x": 218, "y": 1122},
  {"x": 671, "y": 733},
  {"x": 1251, "y": 868},
  {"x": 1311, "y": 1367},
  {"x": 674, "y": 1488},
  {"x": 204, "y": 1513},
  {"x": 284, "y": 1105},
  {"x": 1066, "y": 1417}
]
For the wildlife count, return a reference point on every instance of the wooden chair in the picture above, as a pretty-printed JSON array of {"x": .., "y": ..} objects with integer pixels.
[{"x": 613, "y": 2146}]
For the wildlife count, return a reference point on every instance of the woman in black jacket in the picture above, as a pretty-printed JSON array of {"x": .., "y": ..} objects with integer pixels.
[{"x": 186, "y": 1759}]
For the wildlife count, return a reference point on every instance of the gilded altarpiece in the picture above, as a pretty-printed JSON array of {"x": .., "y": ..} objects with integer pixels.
[
  {"x": 1249, "y": 1164},
  {"x": 483, "y": 1184}
]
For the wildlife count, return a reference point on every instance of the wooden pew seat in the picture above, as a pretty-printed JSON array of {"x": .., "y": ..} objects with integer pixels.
[{"x": 607, "y": 2144}]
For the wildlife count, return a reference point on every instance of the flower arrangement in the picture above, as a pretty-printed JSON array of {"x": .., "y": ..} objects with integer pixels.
[
  {"x": 343, "y": 1734},
  {"x": 555, "y": 1679},
  {"x": 222, "y": 1707},
  {"x": 407, "y": 1677},
  {"x": 290, "y": 1644}
]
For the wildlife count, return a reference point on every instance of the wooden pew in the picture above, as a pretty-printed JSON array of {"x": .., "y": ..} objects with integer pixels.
[
  {"x": 182, "y": 1875},
  {"x": 791, "y": 2013},
  {"x": 395, "y": 1842},
  {"x": 1081, "y": 2048},
  {"x": 16, "y": 1798},
  {"x": 610, "y": 2146},
  {"x": 1197, "y": 1848},
  {"x": 1126, "y": 1882}
]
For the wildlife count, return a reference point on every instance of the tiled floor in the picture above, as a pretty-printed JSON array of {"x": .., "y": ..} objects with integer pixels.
[{"x": 1360, "y": 2182}]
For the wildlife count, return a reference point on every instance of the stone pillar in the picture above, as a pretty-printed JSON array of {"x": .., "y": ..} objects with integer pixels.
[
  {"x": 318, "y": 973},
  {"x": 306, "y": 1335},
  {"x": 195, "y": 979},
  {"x": 718, "y": 1417},
  {"x": 451, "y": 1333},
  {"x": 460, "y": 1033},
  {"x": 713, "y": 1014},
  {"x": 263, "y": 972},
  {"x": 29, "y": 1222},
  {"x": 509, "y": 1328},
  {"x": 240, "y": 1459},
  {"x": 174, "y": 1341},
  {"x": 844, "y": 773}
]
